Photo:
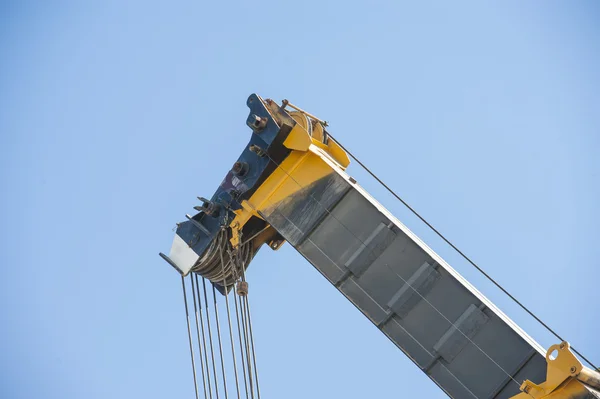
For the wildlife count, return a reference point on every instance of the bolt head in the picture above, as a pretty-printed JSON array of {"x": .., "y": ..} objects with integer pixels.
[
  {"x": 257, "y": 150},
  {"x": 256, "y": 122}
]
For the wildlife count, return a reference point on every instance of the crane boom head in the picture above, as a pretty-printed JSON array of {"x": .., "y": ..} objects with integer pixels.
[{"x": 220, "y": 240}]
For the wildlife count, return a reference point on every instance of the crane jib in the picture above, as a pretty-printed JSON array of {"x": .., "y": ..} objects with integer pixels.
[{"x": 301, "y": 193}]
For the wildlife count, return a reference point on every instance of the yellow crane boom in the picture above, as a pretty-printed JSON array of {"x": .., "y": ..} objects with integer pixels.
[{"x": 290, "y": 185}]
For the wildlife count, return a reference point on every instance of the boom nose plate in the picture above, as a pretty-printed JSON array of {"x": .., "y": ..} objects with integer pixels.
[{"x": 182, "y": 255}]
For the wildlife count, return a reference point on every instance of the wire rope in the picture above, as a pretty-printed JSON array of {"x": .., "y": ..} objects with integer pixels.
[
  {"x": 199, "y": 340},
  {"x": 219, "y": 340},
  {"x": 210, "y": 341},
  {"x": 187, "y": 315}
]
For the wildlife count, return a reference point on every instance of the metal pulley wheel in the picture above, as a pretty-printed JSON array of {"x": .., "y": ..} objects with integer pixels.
[
  {"x": 313, "y": 127},
  {"x": 226, "y": 273},
  {"x": 242, "y": 288}
]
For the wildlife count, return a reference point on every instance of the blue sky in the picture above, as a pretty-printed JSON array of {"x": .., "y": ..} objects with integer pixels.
[{"x": 114, "y": 116}]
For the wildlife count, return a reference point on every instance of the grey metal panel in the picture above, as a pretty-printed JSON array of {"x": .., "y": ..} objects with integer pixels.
[
  {"x": 375, "y": 244},
  {"x": 460, "y": 333},
  {"x": 297, "y": 215},
  {"x": 533, "y": 368},
  {"x": 410, "y": 344},
  {"x": 363, "y": 300},
  {"x": 454, "y": 387},
  {"x": 417, "y": 286},
  {"x": 451, "y": 331}
]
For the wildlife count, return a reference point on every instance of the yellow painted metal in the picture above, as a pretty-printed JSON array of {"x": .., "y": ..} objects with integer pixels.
[
  {"x": 303, "y": 166},
  {"x": 338, "y": 154},
  {"x": 563, "y": 378},
  {"x": 318, "y": 132},
  {"x": 316, "y": 136},
  {"x": 572, "y": 388},
  {"x": 314, "y": 128},
  {"x": 299, "y": 138}
]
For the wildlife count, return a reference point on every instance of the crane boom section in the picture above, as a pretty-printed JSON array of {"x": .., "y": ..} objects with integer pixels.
[
  {"x": 448, "y": 329},
  {"x": 296, "y": 190}
]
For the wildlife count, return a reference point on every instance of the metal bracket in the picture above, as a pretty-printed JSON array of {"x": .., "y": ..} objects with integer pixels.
[
  {"x": 170, "y": 262},
  {"x": 566, "y": 377},
  {"x": 198, "y": 225}
]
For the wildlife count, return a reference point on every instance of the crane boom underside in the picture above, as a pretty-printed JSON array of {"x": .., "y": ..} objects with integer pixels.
[{"x": 444, "y": 325}]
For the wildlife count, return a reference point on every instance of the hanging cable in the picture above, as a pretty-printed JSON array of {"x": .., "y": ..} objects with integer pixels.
[
  {"x": 252, "y": 347},
  {"x": 458, "y": 250},
  {"x": 203, "y": 336},
  {"x": 199, "y": 340},
  {"x": 251, "y": 363},
  {"x": 248, "y": 327},
  {"x": 210, "y": 341},
  {"x": 238, "y": 323},
  {"x": 238, "y": 265},
  {"x": 214, "y": 292},
  {"x": 246, "y": 346},
  {"x": 242, "y": 291},
  {"x": 225, "y": 290},
  {"x": 187, "y": 315}
]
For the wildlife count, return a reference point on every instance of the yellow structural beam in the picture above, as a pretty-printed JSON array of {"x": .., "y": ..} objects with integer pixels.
[
  {"x": 566, "y": 377},
  {"x": 303, "y": 166}
]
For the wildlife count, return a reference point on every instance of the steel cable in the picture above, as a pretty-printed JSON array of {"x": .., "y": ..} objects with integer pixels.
[
  {"x": 199, "y": 340},
  {"x": 252, "y": 347},
  {"x": 214, "y": 292},
  {"x": 246, "y": 346},
  {"x": 187, "y": 315},
  {"x": 249, "y": 331},
  {"x": 206, "y": 363},
  {"x": 237, "y": 315},
  {"x": 210, "y": 341},
  {"x": 225, "y": 290}
]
